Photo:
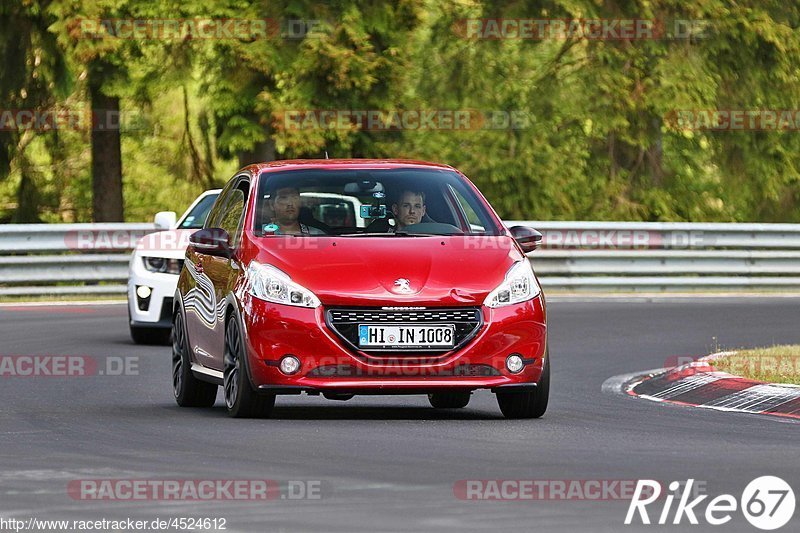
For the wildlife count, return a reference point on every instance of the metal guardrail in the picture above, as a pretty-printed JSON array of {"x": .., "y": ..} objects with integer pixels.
[
  {"x": 667, "y": 256},
  {"x": 66, "y": 259},
  {"x": 35, "y": 238},
  {"x": 42, "y": 259}
]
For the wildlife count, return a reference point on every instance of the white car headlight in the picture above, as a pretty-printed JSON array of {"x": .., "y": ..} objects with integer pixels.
[
  {"x": 162, "y": 265},
  {"x": 518, "y": 286},
  {"x": 266, "y": 282}
]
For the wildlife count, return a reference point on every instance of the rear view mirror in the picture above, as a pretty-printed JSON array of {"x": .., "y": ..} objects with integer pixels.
[
  {"x": 363, "y": 187},
  {"x": 211, "y": 241},
  {"x": 165, "y": 219},
  {"x": 527, "y": 238}
]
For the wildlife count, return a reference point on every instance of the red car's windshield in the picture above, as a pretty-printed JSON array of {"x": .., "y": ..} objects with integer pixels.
[{"x": 374, "y": 202}]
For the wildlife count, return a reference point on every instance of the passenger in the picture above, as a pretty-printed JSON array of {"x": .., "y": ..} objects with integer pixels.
[{"x": 285, "y": 205}]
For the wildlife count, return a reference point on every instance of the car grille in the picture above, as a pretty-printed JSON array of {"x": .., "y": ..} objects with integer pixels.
[{"x": 345, "y": 321}]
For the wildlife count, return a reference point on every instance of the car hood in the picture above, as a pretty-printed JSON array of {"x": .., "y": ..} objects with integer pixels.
[
  {"x": 168, "y": 243},
  {"x": 400, "y": 271}
]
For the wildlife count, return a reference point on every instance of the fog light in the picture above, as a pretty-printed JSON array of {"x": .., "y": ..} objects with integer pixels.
[
  {"x": 143, "y": 292},
  {"x": 290, "y": 364},
  {"x": 514, "y": 363}
]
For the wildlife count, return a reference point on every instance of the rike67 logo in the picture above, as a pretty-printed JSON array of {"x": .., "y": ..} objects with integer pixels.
[{"x": 767, "y": 502}]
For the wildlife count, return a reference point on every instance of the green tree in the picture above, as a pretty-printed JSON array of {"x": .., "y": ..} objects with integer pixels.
[
  {"x": 102, "y": 60},
  {"x": 33, "y": 77}
]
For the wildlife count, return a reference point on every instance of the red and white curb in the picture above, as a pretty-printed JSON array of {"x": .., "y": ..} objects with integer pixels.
[{"x": 698, "y": 384}]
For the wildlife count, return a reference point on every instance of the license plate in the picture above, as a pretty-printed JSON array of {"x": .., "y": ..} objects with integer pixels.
[{"x": 386, "y": 335}]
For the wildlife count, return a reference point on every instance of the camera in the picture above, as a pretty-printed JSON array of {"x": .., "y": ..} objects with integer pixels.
[{"x": 373, "y": 211}]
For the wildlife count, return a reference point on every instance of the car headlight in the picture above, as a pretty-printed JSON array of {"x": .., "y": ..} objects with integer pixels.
[
  {"x": 162, "y": 265},
  {"x": 266, "y": 282},
  {"x": 518, "y": 286}
]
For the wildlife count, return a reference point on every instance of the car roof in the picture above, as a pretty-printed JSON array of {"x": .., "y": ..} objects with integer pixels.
[{"x": 342, "y": 164}]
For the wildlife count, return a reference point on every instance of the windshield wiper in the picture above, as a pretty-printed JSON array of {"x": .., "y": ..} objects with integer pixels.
[
  {"x": 362, "y": 234},
  {"x": 386, "y": 234},
  {"x": 411, "y": 234}
]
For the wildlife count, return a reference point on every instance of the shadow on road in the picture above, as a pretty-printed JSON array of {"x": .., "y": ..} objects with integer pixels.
[{"x": 352, "y": 412}]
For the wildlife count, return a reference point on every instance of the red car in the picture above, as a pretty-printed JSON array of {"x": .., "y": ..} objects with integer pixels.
[{"x": 345, "y": 277}]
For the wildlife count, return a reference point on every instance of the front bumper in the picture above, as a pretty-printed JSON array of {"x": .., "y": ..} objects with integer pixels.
[
  {"x": 157, "y": 313},
  {"x": 328, "y": 365}
]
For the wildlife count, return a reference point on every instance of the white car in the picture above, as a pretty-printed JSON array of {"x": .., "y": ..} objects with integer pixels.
[{"x": 154, "y": 267}]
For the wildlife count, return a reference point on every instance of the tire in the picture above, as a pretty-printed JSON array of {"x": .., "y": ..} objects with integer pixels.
[
  {"x": 528, "y": 404},
  {"x": 240, "y": 398},
  {"x": 150, "y": 336},
  {"x": 449, "y": 400},
  {"x": 188, "y": 390}
]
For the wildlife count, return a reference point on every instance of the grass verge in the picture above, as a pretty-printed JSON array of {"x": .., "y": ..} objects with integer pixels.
[{"x": 775, "y": 364}]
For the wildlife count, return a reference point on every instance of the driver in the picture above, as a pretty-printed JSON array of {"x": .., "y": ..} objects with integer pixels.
[
  {"x": 285, "y": 205},
  {"x": 409, "y": 209}
]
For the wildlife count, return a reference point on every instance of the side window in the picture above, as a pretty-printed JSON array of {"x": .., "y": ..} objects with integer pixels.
[
  {"x": 218, "y": 211},
  {"x": 214, "y": 216},
  {"x": 232, "y": 219},
  {"x": 476, "y": 224}
]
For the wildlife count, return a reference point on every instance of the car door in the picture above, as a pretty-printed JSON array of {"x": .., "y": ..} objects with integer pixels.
[
  {"x": 218, "y": 274},
  {"x": 200, "y": 299}
]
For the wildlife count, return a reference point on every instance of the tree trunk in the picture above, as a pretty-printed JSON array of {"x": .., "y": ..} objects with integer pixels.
[
  {"x": 261, "y": 152},
  {"x": 106, "y": 156},
  {"x": 27, "y": 211}
]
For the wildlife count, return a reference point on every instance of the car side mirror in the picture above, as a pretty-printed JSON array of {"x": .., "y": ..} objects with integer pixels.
[
  {"x": 211, "y": 241},
  {"x": 165, "y": 219},
  {"x": 527, "y": 238}
]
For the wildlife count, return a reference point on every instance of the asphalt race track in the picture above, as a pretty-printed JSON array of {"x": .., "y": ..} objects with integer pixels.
[{"x": 390, "y": 463}]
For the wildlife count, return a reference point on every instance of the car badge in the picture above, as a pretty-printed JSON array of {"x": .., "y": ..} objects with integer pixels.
[{"x": 403, "y": 285}]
